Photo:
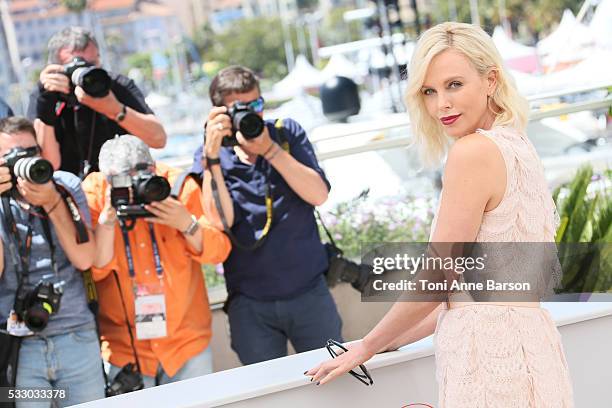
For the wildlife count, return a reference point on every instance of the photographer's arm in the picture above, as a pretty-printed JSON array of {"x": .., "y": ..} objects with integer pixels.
[
  {"x": 105, "y": 234},
  {"x": 144, "y": 125},
  {"x": 46, "y": 196},
  {"x": 45, "y": 137},
  {"x": 306, "y": 182},
  {"x": 208, "y": 202},
  {"x": 303, "y": 180},
  {"x": 218, "y": 126}
]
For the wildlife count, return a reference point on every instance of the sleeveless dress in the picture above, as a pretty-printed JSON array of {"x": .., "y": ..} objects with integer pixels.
[{"x": 498, "y": 356}]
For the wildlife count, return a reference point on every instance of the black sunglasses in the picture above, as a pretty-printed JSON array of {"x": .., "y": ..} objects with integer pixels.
[{"x": 365, "y": 378}]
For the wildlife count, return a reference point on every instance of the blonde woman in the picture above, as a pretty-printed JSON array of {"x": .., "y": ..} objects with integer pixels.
[{"x": 464, "y": 106}]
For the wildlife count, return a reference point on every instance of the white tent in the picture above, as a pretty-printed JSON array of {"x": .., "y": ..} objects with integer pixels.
[
  {"x": 339, "y": 65},
  {"x": 302, "y": 76},
  {"x": 592, "y": 71},
  {"x": 516, "y": 55},
  {"x": 568, "y": 42},
  {"x": 601, "y": 24}
]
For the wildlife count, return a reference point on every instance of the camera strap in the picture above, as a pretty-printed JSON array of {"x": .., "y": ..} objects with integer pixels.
[
  {"x": 20, "y": 255},
  {"x": 73, "y": 209},
  {"x": 329, "y": 235},
  {"x": 127, "y": 321},
  {"x": 228, "y": 230},
  {"x": 128, "y": 251},
  {"x": 84, "y": 163}
]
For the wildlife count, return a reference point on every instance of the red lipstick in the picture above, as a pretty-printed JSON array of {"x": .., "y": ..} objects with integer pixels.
[{"x": 449, "y": 120}]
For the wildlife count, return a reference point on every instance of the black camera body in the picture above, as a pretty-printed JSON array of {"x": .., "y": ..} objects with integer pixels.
[
  {"x": 95, "y": 81},
  {"x": 246, "y": 121},
  {"x": 24, "y": 163},
  {"x": 345, "y": 270},
  {"x": 129, "y": 379},
  {"x": 129, "y": 194},
  {"x": 34, "y": 306}
]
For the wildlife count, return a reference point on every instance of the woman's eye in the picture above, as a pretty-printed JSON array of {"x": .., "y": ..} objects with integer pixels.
[
  {"x": 428, "y": 91},
  {"x": 454, "y": 84}
]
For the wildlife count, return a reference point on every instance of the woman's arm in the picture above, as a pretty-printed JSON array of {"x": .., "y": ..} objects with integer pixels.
[{"x": 471, "y": 179}]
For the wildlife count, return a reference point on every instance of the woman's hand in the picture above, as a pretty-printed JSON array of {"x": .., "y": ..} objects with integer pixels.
[{"x": 357, "y": 354}]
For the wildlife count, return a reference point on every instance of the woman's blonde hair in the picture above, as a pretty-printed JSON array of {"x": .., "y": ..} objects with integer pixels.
[{"x": 510, "y": 107}]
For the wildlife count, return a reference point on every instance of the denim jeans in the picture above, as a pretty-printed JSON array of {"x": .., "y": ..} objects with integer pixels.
[
  {"x": 196, "y": 366},
  {"x": 66, "y": 361},
  {"x": 260, "y": 329}
]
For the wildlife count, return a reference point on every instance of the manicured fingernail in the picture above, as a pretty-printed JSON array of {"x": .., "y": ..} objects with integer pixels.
[
  {"x": 311, "y": 379},
  {"x": 318, "y": 382},
  {"x": 305, "y": 372}
]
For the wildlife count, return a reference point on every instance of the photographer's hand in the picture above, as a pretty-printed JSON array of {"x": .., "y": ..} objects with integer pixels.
[
  {"x": 260, "y": 145},
  {"x": 5, "y": 178},
  {"x": 41, "y": 195},
  {"x": 108, "y": 105},
  {"x": 218, "y": 126},
  {"x": 53, "y": 79},
  {"x": 173, "y": 213},
  {"x": 47, "y": 196}
]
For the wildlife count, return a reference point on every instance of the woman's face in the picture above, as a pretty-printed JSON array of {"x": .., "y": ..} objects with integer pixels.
[{"x": 455, "y": 94}]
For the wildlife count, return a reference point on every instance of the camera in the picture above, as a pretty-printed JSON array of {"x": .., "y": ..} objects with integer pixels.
[
  {"x": 344, "y": 270},
  {"x": 245, "y": 120},
  {"x": 127, "y": 380},
  {"x": 95, "y": 81},
  {"x": 33, "y": 307},
  {"x": 129, "y": 194},
  {"x": 23, "y": 163}
]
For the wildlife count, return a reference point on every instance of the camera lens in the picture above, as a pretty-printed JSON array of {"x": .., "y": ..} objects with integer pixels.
[
  {"x": 34, "y": 169},
  {"x": 155, "y": 188},
  {"x": 249, "y": 124},
  {"x": 37, "y": 316},
  {"x": 95, "y": 81}
]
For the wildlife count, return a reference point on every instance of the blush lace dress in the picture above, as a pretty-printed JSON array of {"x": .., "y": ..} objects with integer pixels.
[{"x": 506, "y": 356}]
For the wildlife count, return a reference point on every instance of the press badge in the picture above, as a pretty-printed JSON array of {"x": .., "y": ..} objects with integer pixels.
[
  {"x": 14, "y": 327},
  {"x": 150, "y": 306}
]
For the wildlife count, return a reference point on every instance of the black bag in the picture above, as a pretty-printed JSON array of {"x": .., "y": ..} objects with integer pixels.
[{"x": 9, "y": 358}]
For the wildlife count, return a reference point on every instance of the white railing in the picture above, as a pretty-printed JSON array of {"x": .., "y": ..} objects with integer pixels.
[{"x": 400, "y": 378}]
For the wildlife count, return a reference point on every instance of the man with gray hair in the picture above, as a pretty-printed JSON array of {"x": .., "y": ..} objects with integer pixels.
[
  {"x": 72, "y": 125},
  {"x": 151, "y": 262}
]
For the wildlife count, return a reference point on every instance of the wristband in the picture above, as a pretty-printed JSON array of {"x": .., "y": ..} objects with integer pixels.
[
  {"x": 211, "y": 162},
  {"x": 268, "y": 150},
  {"x": 54, "y": 206},
  {"x": 273, "y": 155},
  {"x": 193, "y": 227}
]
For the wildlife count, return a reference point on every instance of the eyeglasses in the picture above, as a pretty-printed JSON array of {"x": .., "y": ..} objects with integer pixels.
[
  {"x": 257, "y": 105},
  {"x": 334, "y": 348}
]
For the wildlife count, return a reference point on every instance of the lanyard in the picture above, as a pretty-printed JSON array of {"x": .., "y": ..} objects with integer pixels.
[
  {"x": 21, "y": 256},
  {"x": 128, "y": 252}
]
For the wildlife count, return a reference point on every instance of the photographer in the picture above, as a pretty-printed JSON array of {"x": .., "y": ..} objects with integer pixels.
[
  {"x": 46, "y": 324},
  {"x": 153, "y": 248},
  {"x": 72, "y": 124},
  {"x": 276, "y": 286}
]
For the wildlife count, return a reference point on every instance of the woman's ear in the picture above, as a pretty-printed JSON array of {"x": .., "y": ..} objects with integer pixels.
[{"x": 491, "y": 81}]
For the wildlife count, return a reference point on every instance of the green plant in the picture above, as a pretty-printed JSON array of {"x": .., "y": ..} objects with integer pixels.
[
  {"x": 402, "y": 218},
  {"x": 213, "y": 275},
  {"x": 585, "y": 232}
]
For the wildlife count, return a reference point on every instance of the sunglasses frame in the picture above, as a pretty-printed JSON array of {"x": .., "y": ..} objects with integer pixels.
[
  {"x": 364, "y": 378},
  {"x": 259, "y": 101}
]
